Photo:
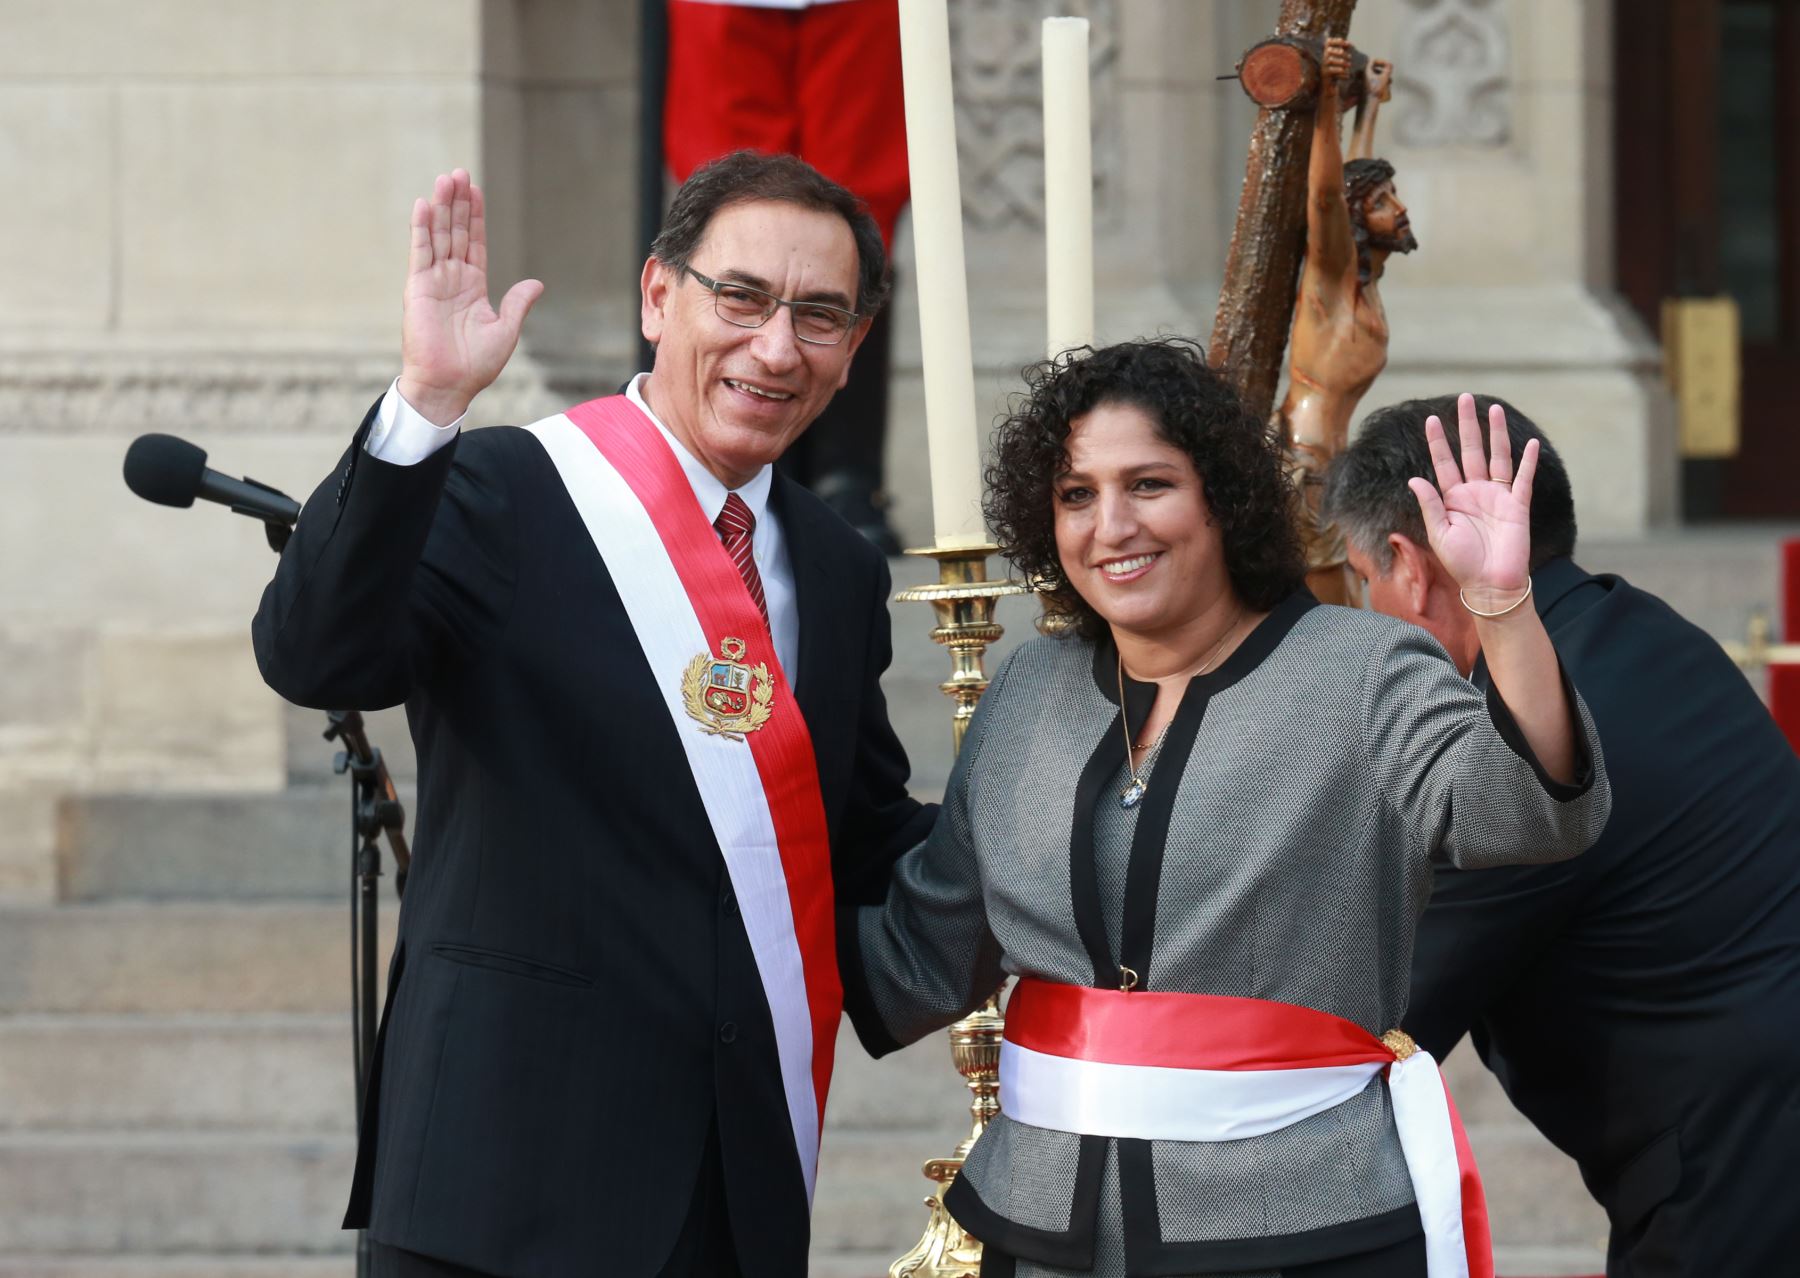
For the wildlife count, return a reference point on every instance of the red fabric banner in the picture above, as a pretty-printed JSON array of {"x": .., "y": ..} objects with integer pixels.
[
  {"x": 1182, "y": 1031},
  {"x": 1176, "y": 1030},
  {"x": 782, "y": 747},
  {"x": 1784, "y": 676}
]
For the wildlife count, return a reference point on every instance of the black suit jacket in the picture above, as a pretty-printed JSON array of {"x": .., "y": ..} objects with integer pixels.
[
  {"x": 1641, "y": 1003},
  {"x": 573, "y": 1001}
]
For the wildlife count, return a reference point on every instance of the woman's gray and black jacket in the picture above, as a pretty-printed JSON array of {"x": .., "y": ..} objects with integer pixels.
[{"x": 1322, "y": 769}]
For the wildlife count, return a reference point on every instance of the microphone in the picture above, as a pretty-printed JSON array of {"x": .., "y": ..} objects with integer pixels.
[{"x": 169, "y": 471}]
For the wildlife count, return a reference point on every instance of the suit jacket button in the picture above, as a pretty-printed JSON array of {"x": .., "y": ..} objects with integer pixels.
[
  {"x": 728, "y": 902},
  {"x": 728, "y": 1032}
]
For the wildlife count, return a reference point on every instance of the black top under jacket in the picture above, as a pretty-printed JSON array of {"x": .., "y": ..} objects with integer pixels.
[
  {"x": 1641, "y": 1004},
  {"x": 572, "y": 998}
]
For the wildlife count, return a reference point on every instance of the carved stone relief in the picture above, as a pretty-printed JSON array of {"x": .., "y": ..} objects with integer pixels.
[
  {"x": 1454, "y": 77},
  {"x": 995, "y": 47},
  {"x": 221, "y": 392}
]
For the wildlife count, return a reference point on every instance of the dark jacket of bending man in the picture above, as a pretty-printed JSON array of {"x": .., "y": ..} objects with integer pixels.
[{"x": 1639, "y": 1004}]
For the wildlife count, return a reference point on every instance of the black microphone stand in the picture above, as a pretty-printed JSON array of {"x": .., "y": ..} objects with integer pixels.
[{"x": 375, "y": 812}]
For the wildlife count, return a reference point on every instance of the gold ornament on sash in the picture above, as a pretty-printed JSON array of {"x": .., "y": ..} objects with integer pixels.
[{"x": 724, "y": 696}]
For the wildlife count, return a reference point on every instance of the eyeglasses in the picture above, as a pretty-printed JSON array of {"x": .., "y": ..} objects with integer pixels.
[{"x": 814, "y": 322}]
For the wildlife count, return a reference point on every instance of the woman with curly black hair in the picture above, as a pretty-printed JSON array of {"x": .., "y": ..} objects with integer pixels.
[
  {"x": 1194, "y": 412},
  {"x": 1199, "y": 829}
]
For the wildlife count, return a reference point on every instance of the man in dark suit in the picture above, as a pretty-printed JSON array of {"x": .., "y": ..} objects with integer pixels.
[
  {"x": 1639, "y": 1002},
  {"x": 642, "y": 674}
]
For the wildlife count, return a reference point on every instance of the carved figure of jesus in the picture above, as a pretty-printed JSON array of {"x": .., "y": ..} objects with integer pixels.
[{"x": 1354, "y": 220}]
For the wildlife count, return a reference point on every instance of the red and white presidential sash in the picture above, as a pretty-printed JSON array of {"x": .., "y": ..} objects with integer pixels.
[
  {"x": 733, "y": 709},
  {"x": 1156, "y": 1065}
]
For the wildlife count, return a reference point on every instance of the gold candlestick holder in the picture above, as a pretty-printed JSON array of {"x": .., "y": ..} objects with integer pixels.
[
  {"x": 964, "y": 600},
  {"x": 1759, "y": 649},
  {"x": 946, "y": 1250}
]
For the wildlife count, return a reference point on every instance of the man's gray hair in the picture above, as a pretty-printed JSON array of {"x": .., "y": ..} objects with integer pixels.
[{"x": 1366, "y": 494}]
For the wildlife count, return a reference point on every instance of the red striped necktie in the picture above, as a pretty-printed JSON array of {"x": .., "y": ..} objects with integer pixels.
[{"x": 736, "y": 525}]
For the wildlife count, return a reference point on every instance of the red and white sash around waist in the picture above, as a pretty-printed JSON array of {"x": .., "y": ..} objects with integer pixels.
[
  {"x": 1155, "y": 1065},
  {"x": 760, "y": 788}
]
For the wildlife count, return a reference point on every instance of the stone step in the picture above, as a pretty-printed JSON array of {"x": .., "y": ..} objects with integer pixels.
[
  {"x": 1479, "y": 1098},
  {"x": 87, "y": 1085},
  {"x": 259, "y": 1072},
  {"x": 1513, "y": 1262},
  {"x": 155, "y": 1193},
  {"x": 292, "y": 844},
  {"x": 1509, "y": 1261},
  {"x": 886, "y": 1117},
  {"x": 164, "y": 958},
  {"x": 869, "y": 1198},
  {"x": 916, "y": 1089},
  {"x": 1536, "y": 1197},
  {"x": 162, "y": 1193},
  {"x": 1526, "y": 1261},
  {"x": 136, "y": 1194},
  {"x": 871, "y": 1193},
  {"x": 279, "y": 1070},
  {"x": 834, "y": 1264},
  {"x": 1715, "y": 577},
  {"x": 252, "y": 1265},
  {"x": 292, "y": 1072},
  {"x": 1535, "y": 1194}
]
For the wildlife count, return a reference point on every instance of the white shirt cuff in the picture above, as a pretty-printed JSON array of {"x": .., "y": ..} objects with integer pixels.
[{"x": 400, "y": 436}]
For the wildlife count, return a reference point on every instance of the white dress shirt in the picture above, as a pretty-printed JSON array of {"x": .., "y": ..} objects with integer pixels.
[{"x": 402, "y": 437}]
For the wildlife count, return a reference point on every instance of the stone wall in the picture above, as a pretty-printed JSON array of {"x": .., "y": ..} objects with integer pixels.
[
  {"x": 209, "y": 202},
  {"x": 1501, "y": 131}
]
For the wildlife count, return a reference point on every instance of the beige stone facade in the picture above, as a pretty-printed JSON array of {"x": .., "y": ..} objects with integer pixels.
[
  {"x": 209, "y": 201},
  {"x": 207, "y": 208}
]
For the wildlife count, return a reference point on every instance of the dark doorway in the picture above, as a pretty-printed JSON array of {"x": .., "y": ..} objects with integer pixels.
[{"x": 1707, "y": 188}]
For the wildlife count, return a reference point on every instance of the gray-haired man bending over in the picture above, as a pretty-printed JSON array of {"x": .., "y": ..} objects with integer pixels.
[{"x": 1637, "y": 1003}]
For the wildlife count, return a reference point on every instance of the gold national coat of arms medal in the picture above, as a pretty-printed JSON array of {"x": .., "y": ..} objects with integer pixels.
[{"x": 726, "y": 697}]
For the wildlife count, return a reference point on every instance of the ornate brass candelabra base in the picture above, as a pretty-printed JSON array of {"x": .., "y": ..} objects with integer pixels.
[
  {"x": 964, "y": 600},
  {"x": 1759, "y": 649},
  {"x": 946, "y": 1251}
]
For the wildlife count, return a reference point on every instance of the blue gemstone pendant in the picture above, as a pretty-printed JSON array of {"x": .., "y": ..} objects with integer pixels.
[{"x": 1133, "y": 794}]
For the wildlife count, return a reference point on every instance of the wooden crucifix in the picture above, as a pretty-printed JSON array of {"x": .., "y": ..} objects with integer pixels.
[
  {"x": 1256, "y": 304},
  {"x": 1302, "y": 203}
]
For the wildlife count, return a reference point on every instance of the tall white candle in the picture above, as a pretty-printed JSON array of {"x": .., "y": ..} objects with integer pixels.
[
  {"x": 943, "y": 288},
  {"x": 1068, "y": 185}
]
